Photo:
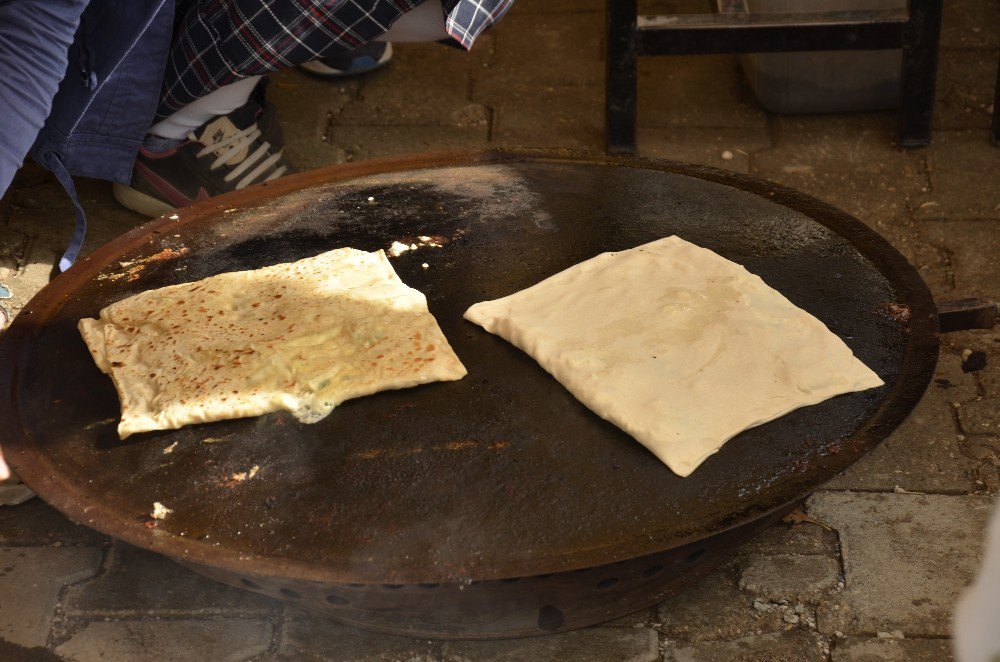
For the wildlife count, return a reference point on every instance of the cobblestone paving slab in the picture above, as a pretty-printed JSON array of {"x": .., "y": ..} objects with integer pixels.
[
  {"x": 577, "y": 646},
  {"x": 856, "y": 649},
  {"x": 973, "y": 253},
  {"x": 34, "y": 273},
  {"x": 970, "y": 24},
  {"x": 12, "y": 249},
  {"x": 854, "y": 167},
  {"x": 964, "y": 96},
  {"x": 37, "y": 523},
  {"x": 13, "y": 653},
  {"x": 410, "y": 90},
  {"x": 138, "y": 582},
  {"x": 42, "y": 213},
  {"x": 43, "y": 193},
  {"x": 309, "y": 637},
  {"x": 805, "y": 538},
  {"x": 715, "y": 609},
  {"x": 574, "y": 114},
  {"x": 223, "y": 640},
  {"x": 982, "y": 415},
  {"x": 697, "y": 91},
  {"x": 313, "y": 102},
  {"x": 964, "y": 178},
  {"x": 925, "y": 453},
  {"x": 852, "y": 163},
  {"x": 45, "y": 212},
  {"x": 571, "y": 53},
  {"x": 789, "y": 577},
  {"x": 979, "y": 418},
  {"x": 906, "y": 559},
  {"x": 370, "y": 142},
  {"x": 797, "y": 645},
  {"x": 30, "y": 581},
  {"x": 729, "y": 149}
]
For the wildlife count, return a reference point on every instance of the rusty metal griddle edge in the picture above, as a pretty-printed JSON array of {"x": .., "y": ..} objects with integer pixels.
[{"x": 918, "y": 363}]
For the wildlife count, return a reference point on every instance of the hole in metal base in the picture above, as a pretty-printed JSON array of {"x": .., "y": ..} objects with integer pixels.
[
  {"x": 695, "y": 556},
  {"x": 607, "y": 583},
  {"x": 550, "y": 618}
]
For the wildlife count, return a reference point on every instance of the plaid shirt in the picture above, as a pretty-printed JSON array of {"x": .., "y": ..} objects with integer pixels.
[{"x": 217, "y": 42}]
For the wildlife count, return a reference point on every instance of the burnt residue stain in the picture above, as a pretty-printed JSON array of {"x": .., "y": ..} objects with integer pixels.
[
  {"x": 448, "y": 446},
  {"x": 370, "y": 214},
  {"x": 894, "y": 311},
  {"x": 131, "y": 270}
]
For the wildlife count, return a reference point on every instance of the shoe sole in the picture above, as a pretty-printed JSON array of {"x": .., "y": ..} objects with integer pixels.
[
  {"x": 317, "y": 68},
  {"x": 139, "y": 202}
]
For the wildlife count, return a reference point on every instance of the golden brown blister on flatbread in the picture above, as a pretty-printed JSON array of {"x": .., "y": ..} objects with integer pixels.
[{"x": 302, "y": 337}]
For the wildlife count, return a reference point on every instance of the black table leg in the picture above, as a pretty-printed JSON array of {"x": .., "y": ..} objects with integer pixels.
[
  {"x": 920, "y": 54},
  {"x": 620, "y": 78}
]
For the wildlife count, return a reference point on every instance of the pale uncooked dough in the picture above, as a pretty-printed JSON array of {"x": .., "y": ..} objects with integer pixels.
[
  {"x": 301, "y": 337},
  {"x": 676, "y": 345}
]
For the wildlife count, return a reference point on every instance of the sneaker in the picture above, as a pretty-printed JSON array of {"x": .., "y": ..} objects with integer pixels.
[
  {"x": 227, "y": 153},
  {"x": 361, "y": 60}
]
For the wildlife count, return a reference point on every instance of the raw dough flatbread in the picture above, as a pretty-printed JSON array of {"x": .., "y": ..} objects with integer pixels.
[
  {"x": 301, "y": 337},
  {"x": 676, "y": 345}
]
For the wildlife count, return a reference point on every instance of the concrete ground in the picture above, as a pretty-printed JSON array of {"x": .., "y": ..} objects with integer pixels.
[{"x": 897, "y": 536}]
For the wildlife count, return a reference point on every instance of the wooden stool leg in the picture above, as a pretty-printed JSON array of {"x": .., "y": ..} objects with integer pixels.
[
  {"x": 620, "y": 77},
  {"x": 920, "y": 55}
]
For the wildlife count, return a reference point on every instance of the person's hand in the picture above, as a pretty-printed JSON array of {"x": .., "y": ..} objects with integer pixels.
[{"x": 4, "y": 469}]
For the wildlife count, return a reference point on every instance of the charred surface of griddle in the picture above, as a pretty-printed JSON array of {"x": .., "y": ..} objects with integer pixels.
[{"x": 502, "y": 474}]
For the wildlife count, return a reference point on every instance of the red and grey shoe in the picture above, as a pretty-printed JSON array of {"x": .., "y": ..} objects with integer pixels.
[{"x": 227, "y": 153}]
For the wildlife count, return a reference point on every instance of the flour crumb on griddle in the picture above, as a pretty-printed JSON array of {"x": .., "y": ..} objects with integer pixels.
[{"x": 398, "y": 248}]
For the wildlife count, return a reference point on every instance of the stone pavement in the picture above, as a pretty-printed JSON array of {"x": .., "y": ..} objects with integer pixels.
[{"x": 894, "y": 539}]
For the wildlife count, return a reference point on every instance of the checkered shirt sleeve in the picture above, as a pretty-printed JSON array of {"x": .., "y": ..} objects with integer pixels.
[
  {"x": 218, "y": 42},
  {"x": 467, "y": 19}
]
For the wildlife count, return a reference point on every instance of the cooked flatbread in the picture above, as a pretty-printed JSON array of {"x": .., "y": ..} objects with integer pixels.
[
  {"x": 301, "y": 337},
  {"x": 676, "y": 345}
]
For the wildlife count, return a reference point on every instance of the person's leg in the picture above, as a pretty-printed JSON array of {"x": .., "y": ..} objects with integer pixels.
[
  {"x": 222, "y": 101},
  {"x": 424, "y": 23},
  {"x": 345, "y": 64},
  {"x": 219, "y": 45},
  {"x": 224, "y": 41},
  {"x": 224, "y": 141},
  {"x": 221, "y": 42}
]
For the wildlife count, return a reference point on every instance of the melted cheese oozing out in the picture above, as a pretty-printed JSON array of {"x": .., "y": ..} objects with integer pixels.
[
  {"x": 676, "y": 345},
  {"x": 302, "y": 337}
]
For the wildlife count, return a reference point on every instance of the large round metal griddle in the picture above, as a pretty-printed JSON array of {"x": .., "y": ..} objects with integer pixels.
[{"x": 495, "y": 505}]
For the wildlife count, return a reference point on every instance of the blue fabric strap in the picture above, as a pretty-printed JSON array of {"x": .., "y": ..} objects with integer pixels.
[{"x": 76, "y": 243}]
